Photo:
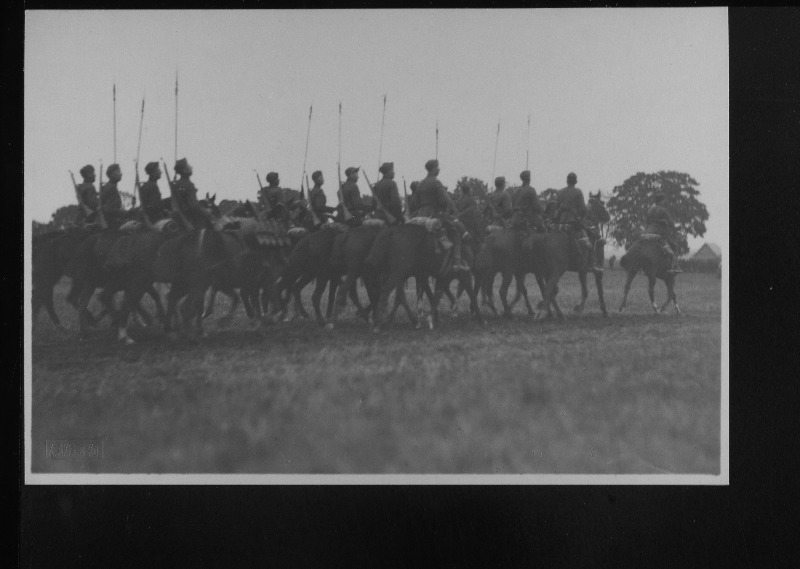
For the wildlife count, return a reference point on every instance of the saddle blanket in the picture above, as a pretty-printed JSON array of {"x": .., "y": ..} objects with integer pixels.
[
  {"x": 374, "y": 221},
  {"x": 432, "y": 224}
]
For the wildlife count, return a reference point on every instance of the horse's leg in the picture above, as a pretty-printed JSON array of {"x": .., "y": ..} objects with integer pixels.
[
  {"x": 390, "y": 283},
  {"x": 437, "y": 297},
  {"x": 628, "y": 281},
  {"x": 132, "y": 299},
  {"x": 294, "y": 292},
  {"x": 176, "y": 292},
  {"x": 400, "y": 299},
  {"x": 598, "y": 281},
  {"x": 426, "y": 287},
  {"x": 584, "y": 292},
  {"x": 520, "y": 279},
  {"x": 451, "y": 298},
  {"x": 319, "y": 288},
  {"x": 212, "y": 297},
  {"x": 507, "y": 276},
  {"x": 651, "y": 290},
  {"x": 551, "y": 288},
  {"x": 670, "y": 282},
  {"x": 331, "y": 306},
  {"x": 84, "y": 296},
  {"x": 487, "y": 286},
  {"x": 465, "y": 283},
  {"x": 151, "y": 291}
]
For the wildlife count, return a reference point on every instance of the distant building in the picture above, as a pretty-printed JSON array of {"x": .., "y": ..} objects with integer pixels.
[{"x": 708, "y": 251}]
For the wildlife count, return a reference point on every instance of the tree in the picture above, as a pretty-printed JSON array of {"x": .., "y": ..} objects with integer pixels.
[
  {"x": 477, "y": 186},
  {"x": 629, "y": 203},
  {"x": 65, "y": 216},
  {"x": 548, "y": 194}
]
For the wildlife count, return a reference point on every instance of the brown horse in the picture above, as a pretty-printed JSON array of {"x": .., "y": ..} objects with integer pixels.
[
  {"x": 410, "y": 250},
  {"x": 647, "y": 256},
  {"x": 562, "y": 253}
]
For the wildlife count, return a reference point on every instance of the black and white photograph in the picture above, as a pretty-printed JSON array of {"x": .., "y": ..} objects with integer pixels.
[{"x": 376, "y": 246}]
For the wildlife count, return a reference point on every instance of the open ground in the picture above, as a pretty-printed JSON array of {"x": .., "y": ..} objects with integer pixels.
[{"x": 637, "y": 393}]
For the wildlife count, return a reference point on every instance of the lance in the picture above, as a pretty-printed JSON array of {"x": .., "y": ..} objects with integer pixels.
[
  {"x": 114, "y": 91},
  {"x": 380, "y": 148},
  {"x": 305, "y": 158},
  {"x": 138, "y": 150},
  {"x": 100, "y": 215},
  {"x": 528, "y": 151},
  {"x": 437, "y": 139},
  {"x": 389, "y": 217},
  {"x": 345, "y": 211},
  {"x": 496, "y": 140},
  {"x": 176, "y": 115}
]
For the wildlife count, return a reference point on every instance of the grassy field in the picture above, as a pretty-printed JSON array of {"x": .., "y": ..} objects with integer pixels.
[{"x": 637, "y": 393}]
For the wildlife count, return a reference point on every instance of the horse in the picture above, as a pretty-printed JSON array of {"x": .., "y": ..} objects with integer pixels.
[
  {"x": 355, "y": 246},
  {"x": 410, "y": 250},
  {"x": 562, "y": 253},
  {"x": 508, "y": 251},
  {"x": 50, "y": 255},
  {"x": 647, "y": 256}
]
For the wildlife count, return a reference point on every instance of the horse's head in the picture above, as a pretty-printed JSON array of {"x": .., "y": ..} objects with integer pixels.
[
  {"x": 210, "y": 203},
  {"x": 596, "y": 209}
]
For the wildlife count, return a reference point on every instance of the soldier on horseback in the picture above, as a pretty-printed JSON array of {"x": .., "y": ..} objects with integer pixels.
[
  {"x": 386, "y": 191},
  {"x": 271, "y": 198},
  {"x": 351, "y": 197},
  {"x": 317, "y": 200},
  {"x": 469, "y": 213},
  {"x": 527, "y": 209},
  {"x": 571, "y": 214},
  {"x": 150, "y": 194},
  {"x": 110, "y": 199},
  {"x": 87, "y": 197},
  {"x": 500, "y": 199},
  {"x": 659, "y": 222},
  {"x": 434, "y": 202},
  {"x": 185, "y": 194}
]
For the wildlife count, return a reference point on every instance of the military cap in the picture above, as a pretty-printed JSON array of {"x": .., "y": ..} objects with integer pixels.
[
  {"x": 572, "y": 178},
  {"x": 112, "y": 168},
  {"x": 181, "y": 165},
  {"x": 525, "y": 175},
  {"x": 151, "y": 168},
  {"x": 431, "y": 165},
  {"x": 87, "y": 170},
  {"x": 387, "y": 167},
  {"x": 272, "y": 177},
  {"x": 499, "y": 181},
  {"x": 316, "y": 175},
  {"x": 350, "y": 170}
]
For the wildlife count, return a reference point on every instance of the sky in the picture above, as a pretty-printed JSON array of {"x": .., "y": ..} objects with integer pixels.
[{"x": 609, "y": 92}]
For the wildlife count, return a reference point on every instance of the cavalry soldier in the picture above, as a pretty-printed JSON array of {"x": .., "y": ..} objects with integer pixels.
[
  {"x": 186, "y": 195},
  {"x": 434, "y": 202},
  {"x": 571, "y": 212},
  {"x": 386, "y": 191},
  {"x": 501, "y": 199},
  {"x": 150, "y": 195},
  {"x": 271, "y": 197},
  {"x": 316, "y": 198},
  {"x": 469, "y": 213},
  {"x": 110, "y": 200},
  {"x": 87, "y": 196},
  {"x": 351, "y": 196},
  {"x": 527, "y": 209},
  {"x": 659, "y": 222}
]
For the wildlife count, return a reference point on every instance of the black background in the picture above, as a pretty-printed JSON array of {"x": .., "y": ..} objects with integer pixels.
[{"x": 435, "y": 526}]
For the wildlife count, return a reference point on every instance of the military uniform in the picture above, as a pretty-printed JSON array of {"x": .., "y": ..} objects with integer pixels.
[
  {"x": 571, "y": 213},
  {"x": 502, "y": 203},
  {"x": 431, "y": 198},
  {"x": 527, "y": 209},
  {"x": 659, "y": 222},
  {"x": 388, "y": 194},
  {"x": 150, "y": 198},
  {"x": 317, "y": 201},
  {"x": 470, "y": 216},
  {"x": 88, "y": 196},
  {"x": 111, "y": 203},
  {"x": 413, "y": 201},
  {"x": 185, "y": 194}
]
